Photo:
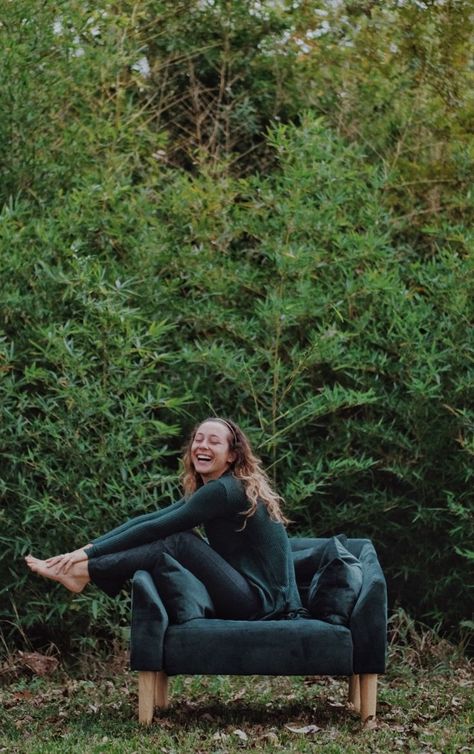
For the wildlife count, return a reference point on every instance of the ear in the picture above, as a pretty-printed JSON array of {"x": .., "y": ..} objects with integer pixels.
[{"x": 231, "y": 457}]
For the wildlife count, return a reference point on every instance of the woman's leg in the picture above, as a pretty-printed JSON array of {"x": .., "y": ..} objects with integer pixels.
[
  {"x": 110, "y": 572},
  {"x": 230, "y": 592}
]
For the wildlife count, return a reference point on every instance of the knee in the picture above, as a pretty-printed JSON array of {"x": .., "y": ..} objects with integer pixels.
[{"x": 183, "y": 542}]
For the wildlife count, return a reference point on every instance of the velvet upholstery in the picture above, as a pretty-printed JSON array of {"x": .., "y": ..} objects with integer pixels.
[
  {"x": 368, "y": 622},
  {"x": 336, "y": 584},
  {"x": 258, "y": 647},
  {"x": 184, "y": 596},
  {"x": 149, "y": 624},
  {"x": 284, "y": 647}
]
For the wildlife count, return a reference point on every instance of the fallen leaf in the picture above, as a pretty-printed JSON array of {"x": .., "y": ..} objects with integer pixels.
[
  {"x": 240, "y": 734},
  {"x": 38, "y": 663},
  {"x": 218, "y": 736},
  {"x": 27, "y": 720},
  {"x": 19, "y": 695},
  {"x": 271, "y": 736},
  {"x": 239, "y": 695},
  {"x": 305, "y": 729}
]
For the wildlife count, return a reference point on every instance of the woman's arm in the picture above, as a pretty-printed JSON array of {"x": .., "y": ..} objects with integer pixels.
[
  {"x": 208, "y": 502},
  {"x": 64, "y": 562},
  {"x": 144, "y": 518}
]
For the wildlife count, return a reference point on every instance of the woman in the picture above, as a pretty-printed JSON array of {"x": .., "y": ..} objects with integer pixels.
[{"x": 246, "y": 564}]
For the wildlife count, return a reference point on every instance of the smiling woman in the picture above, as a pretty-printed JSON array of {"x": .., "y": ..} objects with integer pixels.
[
  {"x": 211, "y": 450},
  {"x": 245, "y": 562}
]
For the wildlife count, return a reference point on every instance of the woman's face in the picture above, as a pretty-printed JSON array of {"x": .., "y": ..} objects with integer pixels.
[{"x": 210, "y": 450}]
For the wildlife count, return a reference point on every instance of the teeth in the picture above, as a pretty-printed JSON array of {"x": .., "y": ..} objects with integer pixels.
[{"x": 203, "y": 458}]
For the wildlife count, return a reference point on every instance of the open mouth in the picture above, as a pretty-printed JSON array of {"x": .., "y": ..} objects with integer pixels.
[{"x": 203, "y": 458}]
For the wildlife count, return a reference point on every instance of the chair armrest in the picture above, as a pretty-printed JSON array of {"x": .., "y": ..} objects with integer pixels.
[
  {"x": 149, "y": 624},
  {"x": 368, "y": 622}
]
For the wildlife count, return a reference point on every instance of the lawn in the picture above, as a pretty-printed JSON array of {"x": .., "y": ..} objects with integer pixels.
[{"x": 426, "y": 705}]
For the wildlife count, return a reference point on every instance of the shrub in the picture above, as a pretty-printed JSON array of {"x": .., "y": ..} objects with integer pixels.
[{"x": 300, "y": 277}]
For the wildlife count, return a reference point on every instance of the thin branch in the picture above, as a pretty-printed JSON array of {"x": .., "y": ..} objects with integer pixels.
[
  {"x": 428, "y": 211},
  {"x": 247, "y": 152},
  {"x": 424, "y": 181}
]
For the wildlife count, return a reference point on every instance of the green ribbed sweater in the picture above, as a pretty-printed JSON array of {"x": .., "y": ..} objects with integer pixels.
[{"x": 260, "y": 551}]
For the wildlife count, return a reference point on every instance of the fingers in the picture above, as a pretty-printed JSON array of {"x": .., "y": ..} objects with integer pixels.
[
  {"x": 57, "y": 562},
  {"x": 62, "y": 563},
  {"x": 67, "y": 564},
  {"x": 51, "y": 562},
  {"x": 70, "y": 559},
  {"x": 59, "y": 566}
]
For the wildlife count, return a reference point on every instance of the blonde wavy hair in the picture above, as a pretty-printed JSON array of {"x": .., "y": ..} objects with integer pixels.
[{"x": 246, "y": 467}]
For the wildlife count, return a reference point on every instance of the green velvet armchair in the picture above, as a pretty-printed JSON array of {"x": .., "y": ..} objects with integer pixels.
[{"x": 200, "y": 645}]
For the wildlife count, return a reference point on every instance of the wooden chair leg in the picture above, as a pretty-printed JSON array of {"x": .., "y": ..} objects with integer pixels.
[
  {"x": 354, "y": 692},
  {"x": 161, "y": 690},
  {"x": 146, "y": 696},
  {"x": 368, "y": 695}
]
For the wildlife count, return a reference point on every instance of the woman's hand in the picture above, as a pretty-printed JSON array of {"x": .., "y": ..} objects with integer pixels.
[{"x": 62, "y": 563}]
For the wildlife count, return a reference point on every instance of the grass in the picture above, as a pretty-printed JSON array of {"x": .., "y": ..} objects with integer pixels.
[{"x": 426, "y": 705}]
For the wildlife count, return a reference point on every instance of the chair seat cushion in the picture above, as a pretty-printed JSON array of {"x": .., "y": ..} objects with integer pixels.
[{"x": 297, "y": 647}]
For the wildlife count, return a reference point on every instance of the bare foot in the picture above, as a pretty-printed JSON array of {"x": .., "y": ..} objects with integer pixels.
[{"x": 76, "y": 579}]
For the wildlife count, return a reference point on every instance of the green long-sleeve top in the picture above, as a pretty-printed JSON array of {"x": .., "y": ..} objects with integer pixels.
[{"x": 260, "y": 550}]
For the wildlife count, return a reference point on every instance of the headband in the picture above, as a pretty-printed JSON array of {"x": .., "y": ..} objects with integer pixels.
[{"x": 226, "y": 423}]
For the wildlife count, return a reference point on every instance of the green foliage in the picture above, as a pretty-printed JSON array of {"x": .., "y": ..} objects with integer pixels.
[
  {"x": 397, "y": 77},
  {"x": 244, "y": 208},
  {"x": 349, "y": 362},
  {"x": 88, "y": 408}
]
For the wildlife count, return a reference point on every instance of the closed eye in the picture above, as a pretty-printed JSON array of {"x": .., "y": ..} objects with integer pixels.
[{"x": 213, "y": 439}]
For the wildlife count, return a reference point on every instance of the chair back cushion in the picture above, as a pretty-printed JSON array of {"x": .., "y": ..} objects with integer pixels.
[
  {"x": 184, "y": 595},
  {"x": 336, "y": 585}
]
